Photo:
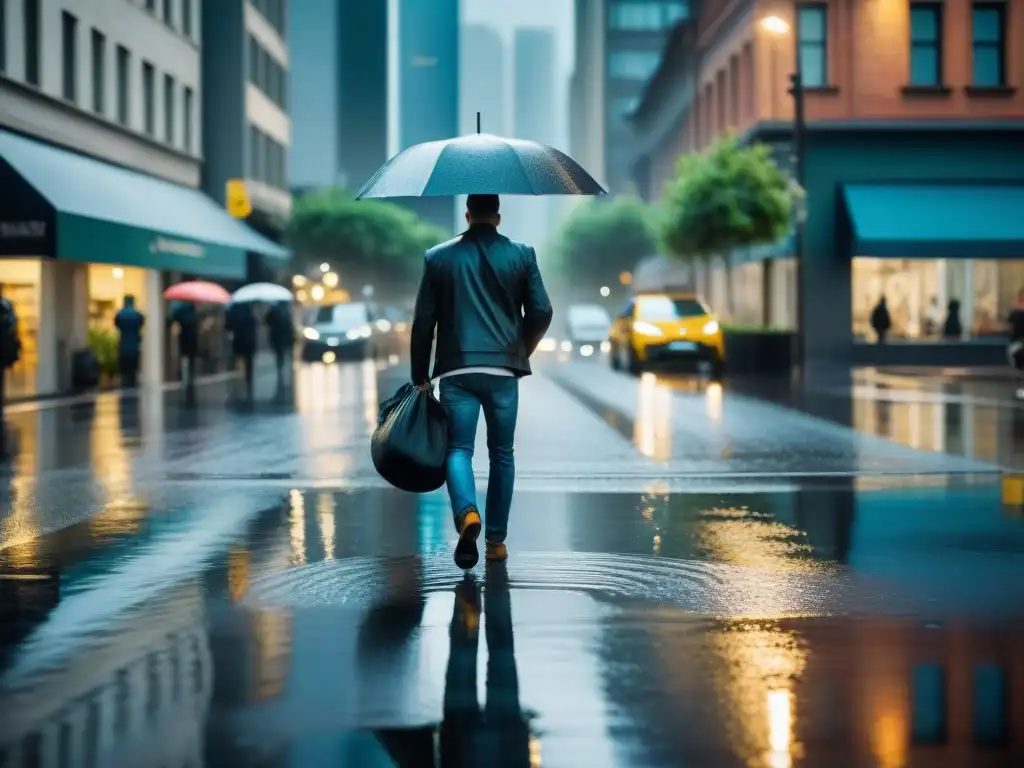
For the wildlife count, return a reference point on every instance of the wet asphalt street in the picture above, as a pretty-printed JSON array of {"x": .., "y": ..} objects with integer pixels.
[{"x": 700, "y": 575}]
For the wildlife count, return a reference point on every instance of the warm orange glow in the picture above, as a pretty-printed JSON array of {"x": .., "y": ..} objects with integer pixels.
[
  {"x": 775, "y": 25},
  {"x": 626, "y": 278}
]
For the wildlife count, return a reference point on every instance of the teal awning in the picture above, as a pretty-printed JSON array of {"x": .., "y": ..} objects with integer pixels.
[
  {"x": 108, "y": 214},
  {"x": 936, "y": 221}
]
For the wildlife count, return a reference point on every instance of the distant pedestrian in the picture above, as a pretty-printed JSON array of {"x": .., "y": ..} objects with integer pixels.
[
  {"x": 129, "y": 323},
  {"x": 1016, "y": 323},
  {"x": 953, "y": 328},
  {"x": 881, "y": 322},
  {"x": 186, "y": 317},
  {"x": 281, "y": 328},
  {"x": 240, "y": 322},
  {"x": 933, "y": 318}
]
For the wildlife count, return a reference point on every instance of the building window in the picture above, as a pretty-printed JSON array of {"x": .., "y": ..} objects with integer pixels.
[
  {"x": 169, "y": 13},
  {"x": 69, "y": 45},
  {"x": 99, "y": 71},
  {"x": 148, "y": 98},
  {"x": 255, "y": 172},
  {"x": 925, "y": 44},
  {"x": 188, "y": 107},
  {"x": 647, "y": 16},
  {"x": 169, "y": 109},
  {"x": 734, "y": 91},
  {"x": 254, "y": 61},
  {"x": 633, "y": 65},
  {"x": 812, "y": 38},
  {"x": 186, "y": 18},
  {"x": 124, "y": 61},
  {"x": 30, "y": 13},
  {"x": 988, "y": 28},
  {"x": 3, "y": 35}
]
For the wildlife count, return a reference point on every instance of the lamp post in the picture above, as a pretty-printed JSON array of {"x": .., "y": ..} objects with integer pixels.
[{"x": 777, "y": 28}]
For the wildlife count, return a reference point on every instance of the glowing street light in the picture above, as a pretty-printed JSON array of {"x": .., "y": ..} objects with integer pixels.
[
  {"x": 331, "y": 279},
  {"x": 298, "y": 280},
  {"x": 325, "y": 267},
  {"x": 317, "y": 292},
  {"x": 606, "y": 291},
  {"x": 775, "y": 25}
]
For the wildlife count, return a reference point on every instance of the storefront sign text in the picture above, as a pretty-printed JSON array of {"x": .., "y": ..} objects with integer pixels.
[
  {"x": 176, "y": 247},
  {"x": 18, "y": 230}
]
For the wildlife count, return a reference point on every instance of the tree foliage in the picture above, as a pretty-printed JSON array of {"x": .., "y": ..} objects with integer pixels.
[
  {"x": 603, "y": 238},
  {"x": 730, "y": 197},
  {"x": 366, "y": 240}
]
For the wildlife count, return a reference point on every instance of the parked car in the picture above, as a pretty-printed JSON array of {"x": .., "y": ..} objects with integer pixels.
[
  {"x": 588, "y": 325},
  {"x": 341, "y": 331},
  {"x": 666, "y": 330}
]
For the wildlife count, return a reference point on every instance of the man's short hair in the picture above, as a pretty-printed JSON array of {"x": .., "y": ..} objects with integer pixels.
[{"x": 483, "y": 206}]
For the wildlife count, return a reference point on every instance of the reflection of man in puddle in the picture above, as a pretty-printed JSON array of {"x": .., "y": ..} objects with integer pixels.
[{"x": 499, "y": 735}]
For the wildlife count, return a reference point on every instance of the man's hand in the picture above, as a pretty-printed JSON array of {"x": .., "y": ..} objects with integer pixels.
[{"x": 424, "y": 386}]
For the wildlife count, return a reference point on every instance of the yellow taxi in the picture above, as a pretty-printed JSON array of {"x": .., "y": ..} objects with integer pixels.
[{"x": 666, "y": 329}]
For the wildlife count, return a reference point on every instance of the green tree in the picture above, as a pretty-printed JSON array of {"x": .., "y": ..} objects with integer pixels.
[
  {"x": 365, "y": 241},
  {"x": 602, "y": 239},
  {"x": 732, "y": 196}
]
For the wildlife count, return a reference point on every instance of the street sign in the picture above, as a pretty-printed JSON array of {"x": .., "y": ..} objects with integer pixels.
[{"x": 237, "y": 199}]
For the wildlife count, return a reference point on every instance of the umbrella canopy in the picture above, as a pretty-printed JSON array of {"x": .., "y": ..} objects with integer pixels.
[
  {"x": 198, "y": 292},
  {"x": 480, "y": 164},
  {"x": 267, "y": 292}
]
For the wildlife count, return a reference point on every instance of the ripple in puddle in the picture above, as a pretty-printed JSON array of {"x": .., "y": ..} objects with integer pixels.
[{"x": 712, "y": 589}]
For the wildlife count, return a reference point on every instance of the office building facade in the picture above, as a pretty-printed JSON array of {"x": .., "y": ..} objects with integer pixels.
[
  {"x": 906, "y": 133},
  {"x": 618, "y": 48},
  {"x": 100, "y": 164},
  {"x": 482, "y": 87}
]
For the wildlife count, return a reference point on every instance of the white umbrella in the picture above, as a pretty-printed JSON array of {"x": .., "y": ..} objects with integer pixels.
[{"x": 261, "y": 292}]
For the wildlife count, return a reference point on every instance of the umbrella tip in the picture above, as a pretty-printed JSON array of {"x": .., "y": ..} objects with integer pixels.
[{"x": 478, "y": 122}]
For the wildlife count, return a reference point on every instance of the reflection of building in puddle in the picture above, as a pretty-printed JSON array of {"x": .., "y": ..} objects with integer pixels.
[
  {"x": 652, "y": 431},
  {"x": 137, "y": 697},
  {"x": 252, "y": 655}
]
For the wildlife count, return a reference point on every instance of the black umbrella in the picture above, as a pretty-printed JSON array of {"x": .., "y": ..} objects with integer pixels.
[{"x": 480, "y": 164}]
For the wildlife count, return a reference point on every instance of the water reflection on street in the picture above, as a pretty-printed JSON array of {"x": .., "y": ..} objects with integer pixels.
[{"x": 243, "y": 606}]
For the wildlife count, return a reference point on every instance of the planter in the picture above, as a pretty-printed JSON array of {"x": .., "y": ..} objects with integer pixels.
[{"x": 757, "y": 352}]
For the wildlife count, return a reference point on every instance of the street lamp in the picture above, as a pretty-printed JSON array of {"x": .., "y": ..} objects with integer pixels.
[
  {"x": 325, "y": 267},
  {"x": 605, "y": 291},
  {"x": 777, "y": 28},
  {"x": 331, "y": 279}
]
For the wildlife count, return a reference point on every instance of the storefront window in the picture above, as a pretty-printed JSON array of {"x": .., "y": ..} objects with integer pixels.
[
  {"x": 918, "y": 294},
  {"x": 747, "y": 294},
  {"x": 20, "y": 279}
]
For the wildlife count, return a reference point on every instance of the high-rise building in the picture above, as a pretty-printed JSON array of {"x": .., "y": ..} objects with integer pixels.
[
  {"x": 535, "y": 106},
  {"x": 482, "y": 80},
  {"x": 428, "y": 85},
  {"x": 618, "y": 48},
  {"x": 340, "y": 89},
  {"x": 246, "y": 127}
]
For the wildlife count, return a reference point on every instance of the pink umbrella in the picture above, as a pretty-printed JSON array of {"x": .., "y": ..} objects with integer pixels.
[{"x": 198, "y": 292}]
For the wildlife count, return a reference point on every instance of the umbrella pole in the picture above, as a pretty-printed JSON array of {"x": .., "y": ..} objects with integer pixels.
[{"x": 478, "y": 122}]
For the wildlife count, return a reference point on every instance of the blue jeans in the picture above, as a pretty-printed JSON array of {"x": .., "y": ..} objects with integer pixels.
[{"x": 463, "y": 396}]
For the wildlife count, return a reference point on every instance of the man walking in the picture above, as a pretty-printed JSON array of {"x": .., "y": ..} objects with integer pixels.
[{"x": 485, "y": 296}]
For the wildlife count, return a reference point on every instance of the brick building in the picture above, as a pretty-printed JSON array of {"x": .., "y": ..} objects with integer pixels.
[{"x": 913, "y": 163}]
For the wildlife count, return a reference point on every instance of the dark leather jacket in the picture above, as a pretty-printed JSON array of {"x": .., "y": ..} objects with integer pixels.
[{"x": 487, "y": 315}]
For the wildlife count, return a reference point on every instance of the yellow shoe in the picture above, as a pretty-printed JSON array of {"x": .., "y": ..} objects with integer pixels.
[
  {"x": 466, "y": 554},
  {"x": 496, "y": 553}
]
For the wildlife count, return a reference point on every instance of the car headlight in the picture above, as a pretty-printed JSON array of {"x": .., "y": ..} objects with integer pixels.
[
  {"x": 710, "y": 327},
  {"x": 647, "y": 329},
  {"x": 311, "y": 333},
  {"x": 362, "y": 332}
]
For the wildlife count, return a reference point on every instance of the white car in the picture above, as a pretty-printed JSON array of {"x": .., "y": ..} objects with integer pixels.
[
  {"x": 588, "y": 325},
  {"x": 337, "y": 331}
]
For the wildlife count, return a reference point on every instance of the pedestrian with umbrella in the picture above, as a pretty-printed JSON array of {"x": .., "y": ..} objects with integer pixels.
[
  {"x": 280, "y": 327},
  {"x": 186, "y": 316},
  {"x": 484, "y": 296}
]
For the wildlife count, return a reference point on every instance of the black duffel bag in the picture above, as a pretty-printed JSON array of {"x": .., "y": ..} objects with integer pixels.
[{"x": 409, "y": 447}]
